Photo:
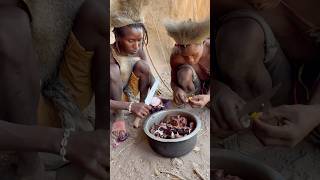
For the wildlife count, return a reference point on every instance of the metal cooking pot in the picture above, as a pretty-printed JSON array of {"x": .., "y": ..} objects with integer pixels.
[
  {"x": 245, "y": 167},
  {"x": 172, "y": 147}
]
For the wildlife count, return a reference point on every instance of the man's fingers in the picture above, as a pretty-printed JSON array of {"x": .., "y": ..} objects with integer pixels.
[
  {"x": 270, "y": 130},
  {"x": 282, "y": 111},
  {"x": 177, "y": 99},
  {"x": 195, "y": 102},
  {"x": 148, "y": 107},
  {"x": 196, "y": 105},
  {"x": 145, "y": 111},
  {"x": 183, "y": 98},
  {"x": 195, "y": 98},
  {"x": 141, "y": 115}
]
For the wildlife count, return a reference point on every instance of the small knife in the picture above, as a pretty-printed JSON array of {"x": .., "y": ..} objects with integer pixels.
[{"x": 152, "y": 91}]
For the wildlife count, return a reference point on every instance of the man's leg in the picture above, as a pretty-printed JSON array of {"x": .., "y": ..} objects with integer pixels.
[
  {"x": 185, "y": 79},
  {"x": 240, "y": 56},
  {"x": 142, "y": 71},
  {"x": 118, "y": 125},
  {"x": 90, "y": 28},
  {"x": 20, "y": 80},
  {"x": 115, "y": 86}
]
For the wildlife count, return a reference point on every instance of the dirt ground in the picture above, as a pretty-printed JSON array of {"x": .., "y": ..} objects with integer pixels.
[{"x": 135, "y": 160}]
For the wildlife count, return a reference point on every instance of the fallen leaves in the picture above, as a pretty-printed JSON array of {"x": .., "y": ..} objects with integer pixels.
[{"x": 196, "y": 149}]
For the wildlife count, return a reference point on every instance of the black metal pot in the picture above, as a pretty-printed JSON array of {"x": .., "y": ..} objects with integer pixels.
[
  {"x": 245, "y": 167},
  {"x": 172, "y": 147}
]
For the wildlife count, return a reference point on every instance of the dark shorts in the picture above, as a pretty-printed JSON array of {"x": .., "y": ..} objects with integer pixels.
[{"x": 201, "y": 87}]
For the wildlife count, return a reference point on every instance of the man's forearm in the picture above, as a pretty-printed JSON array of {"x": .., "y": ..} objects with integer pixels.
[
  {"x": 174, "y": 86},
  {"x": 16, "y": 137},
  {"x": 119, "y": 105}
]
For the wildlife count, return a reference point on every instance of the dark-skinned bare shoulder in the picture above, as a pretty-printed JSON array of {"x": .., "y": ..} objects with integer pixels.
[{"x": 176, "y": 59}]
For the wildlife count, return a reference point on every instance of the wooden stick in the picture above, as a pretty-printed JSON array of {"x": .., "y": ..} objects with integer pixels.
[
  {"x": 172, "y": 174},
  {"x": 136, "y": 122},
  {"x": 196, "y": 170}
]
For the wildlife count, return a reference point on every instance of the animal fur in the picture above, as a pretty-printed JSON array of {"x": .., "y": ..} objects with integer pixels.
[
  {"x": 188, "y": 32},
  {"x": 125, "y": 12}
]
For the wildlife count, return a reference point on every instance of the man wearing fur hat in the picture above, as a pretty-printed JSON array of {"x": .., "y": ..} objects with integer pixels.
[
  {"x": 190, "y": 62},
  {"x": 129, "y": 71}
]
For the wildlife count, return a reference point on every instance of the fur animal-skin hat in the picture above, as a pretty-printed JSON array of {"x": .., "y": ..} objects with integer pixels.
[
  {"x": 188, "y": 32},
  {"x": 126, "y": 12}
]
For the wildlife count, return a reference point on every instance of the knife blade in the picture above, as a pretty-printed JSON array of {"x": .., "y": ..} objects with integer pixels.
[
  {"x": 257, "y": 104},
  {"x": 147, "y": 101},
  {"x": 152, "y": 91}
]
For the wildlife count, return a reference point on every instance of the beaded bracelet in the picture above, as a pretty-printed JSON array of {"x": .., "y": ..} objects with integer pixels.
[
  {"x": 64, "y": 143},
  {"x": 130, "y": 106}
]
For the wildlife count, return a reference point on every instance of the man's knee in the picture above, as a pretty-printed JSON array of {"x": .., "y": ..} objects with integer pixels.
[
  {"x": 185, "y": 78},
  {"x": 184, "y": 75},
  {"x": 240, "y": 45},
  {"x": 141, "y": 69}
]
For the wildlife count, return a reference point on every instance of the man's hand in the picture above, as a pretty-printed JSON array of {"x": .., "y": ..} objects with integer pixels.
[
  {"x": 294, "y": 123},
  {"x": 180, "y": 97},
  {"x": 225, "y": 111},
  {"x": 89, "y": 150},
  {"x": 199, "y": 101},
  {"x": 140, "y": 109}
]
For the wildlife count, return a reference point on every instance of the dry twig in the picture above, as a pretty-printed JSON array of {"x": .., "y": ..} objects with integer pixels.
[{"x": 172, "y": 174}]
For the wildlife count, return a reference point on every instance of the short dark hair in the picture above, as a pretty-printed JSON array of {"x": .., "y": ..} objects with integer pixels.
[{"x": 118, "y": 31}]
